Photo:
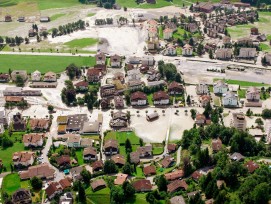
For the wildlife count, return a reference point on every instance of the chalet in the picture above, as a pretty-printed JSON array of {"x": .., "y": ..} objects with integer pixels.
[
  {"x": 19, "y": 124},
  {"x": 73, "y": 141},
  {"x": 98, "y": 184},
  {"x": 254, "y": 31},
  {"x": 205, "y": 7},
  {"x": 224, "y": 54},
  {"x": 23, "y": 159},
  {"x": 107, "y": 90},
  {"x": 202, "y": 89},
  {"x": 239, "y": 121},
  {"x": 133, "y": 75},
  {"x": 97, "y": 166},
  {"x": 115, "y": 61},
  {"x": 145, "y": 151},
  {"x": 50, "y": 77},
  {"x": 101, "y": 67},
  {"x": 176, "y": 186},
  {"x": 171, "y": 25},
  {"x": 153, "y": 75},
  {"x": 167, "y": 34},
  {"x": 196, "y": 175},
  {"x": 43, "y": 171},
  {"x": 134, "y": 157},
  {"x": 251, "y": 166},
  {"x": 153, "y": 45},
  {"x": 149, "y": 170},
  {"x": 220, "y": 87},
  {"x": 230, "y": 99},
  {"x": 177, "y": 174},
  {"x": 142, "y": 185},
  {"x": 94, "y": 75},
  {"x": 187, "y": 50},
  {"x": 4, "y": 78},
  {"x": 118, "y": 159},
  {"x": 204, "y": 100},
  {"x": 111, "y": 147},
  {"x": 63, "y": 160},
  {"x": 21, "y": 73},
  {"x": 105, "y": 103},
  {"x": 33, "y": 139},
  {"x": 53, "y": 189},
  {"x": 171, "y": 147},
  {"x": 21, "y": 19},
  {"x": 39, "y": 124},
  {"x": 245, "y": 41},
  {"x": 247, "y": 53},
  {"x": 21, "y": 196},
  {"x": 8, "y": 18},
  {"x": 237, "y": 157},
  {"x": 262, "y": 38},
  {"x": 253, "y": 94},
  {"x": 138, "y": 99},
  {"x": 100, "y": 58},
  {"x": 167, "y": 162},
  {"x": 170, "y": 50},
  {"x": 81, "y": 85},
  {"x": 200, "y": 119},
  {"x": 119, "y": 120},
  {"x": 118, "y": 101},
  {"x": 216, "y": 145},
  {"x": 90, "y": 154},
  {"x": 191, "y": 27},
  {"x": 212, "y": 33},
  {"x": 160, "y": 98},
  {"x": 121, "y": 178},
  {"x": 175, "y": 88},
  {"x": 65, "y": 183},
  {"x": 44, "y": 19}
]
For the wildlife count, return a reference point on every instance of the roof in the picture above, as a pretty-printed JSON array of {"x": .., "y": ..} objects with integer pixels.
[
  {"x": 149, "y": 170},
  {"x": 253, "y": 90},
  {"x": 101, "y": 56},
  {"x": 81, "y": 83},
  {"x": 167, "y": 161},
  {"x": 97, "y": 164},
  {"x": 65, "y": 183},
  {"x": 200, "y": 117},
  {"x": 168, "y": 30},
  {"x": 49, "y": 75},
  {"x": 115, "y": 58},
  {"x": 221, "y": 83},
  {"x": 216, "y": 144},
  {"x": 89, "y": 151},
  {"x": 174, "y": 175},
  {"x": 176, "y": 185},
  {"x": 73, "y": 138},
  {"x": 251, "y": 166},
  {"x": 187, "y": 46},
  {"x": 33, "y": 137},
  {"x": 52, "y": 188},
  {"x": 76, "y": 170},
  {"x": 14, "y": 98},
  {"x": 21, "y": 195},
  {"x": 138, "y": 95},
  {"x": 205, "y": 98},
  {"x": 118, "y": 159},
  {"x": 134, "y": 157},
  {"x": 229, "y": 94},
  {"x": 142, "y": 185},
  {"x": 177, "y": 200},
  {"x": 171, "y": 147},
  {"x": 38, "y": 123},
  {"x": 63, "y": 159},
  {"x": 196, "y": 175},
  {"x": 160, "y": 95},
  {"x": 41, "y": 171},
  {"x": 121, "y": 178},
  {"x": 91, "y": 127},
  {"x": 62, "y": 119},
  {"x": 174, "y": 85},
  {"x": 98, "y": 184},
  {"x": 111, "y": 143},
  {"x": 145, "y": 149},
  {"x": 94, "y": 72},
  {"x": 22, "y": 156}
]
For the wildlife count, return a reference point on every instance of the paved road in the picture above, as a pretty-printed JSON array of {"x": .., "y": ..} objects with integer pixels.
[{"x": 179, "y": 156}]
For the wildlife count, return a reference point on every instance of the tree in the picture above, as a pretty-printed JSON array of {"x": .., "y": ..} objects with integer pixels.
[
  {"x": 50, "y": 108},
  {"x": 266, "y": 113},
  {"x": 19, "y": 81},
  {"x": 81, "y": 193},
  {"x": 6, "y": 142},
  {"x": 128, "y": 146},
  {"x": 117, "y": 195},
  {"x": 128, "y": 189},
  {"x": 86, "y": 176},
  {"x": 141, "y": 143},
  {"x": 188, "y": 100},
  {"x": 259, "y": 122},
  {"x": 36, "y": 183},
  {"x": 211, "y": 56},
  {"x": 127, "y": 169},
  {"x": 178, "y": 78},
  {"x": 73, "y": 71},
  {"x": 150, "y": 198},
  {"x": 207, "y": 110},
  {"x": 110, "y": 167},
  {"x": 193, "y": 113},
  {"x": 200, "y": 49},
  {"x": 161, "y": 183}
]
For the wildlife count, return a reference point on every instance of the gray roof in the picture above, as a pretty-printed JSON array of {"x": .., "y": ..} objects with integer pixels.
[
  {"x": 177, "y": 200},
  {"x": 91, "y": 127}
]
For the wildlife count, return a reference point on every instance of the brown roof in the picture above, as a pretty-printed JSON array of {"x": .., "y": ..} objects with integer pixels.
[
  {"x": 196, "y": 175},
  {"x": 142, "y": 185},
  {"x": 111, "y": 143},
  {"x": 118, "y": 159},
  {"x": 100, "y": 56},
  {"x": 177, "y": 185},
  {"x": 33, "y": 137},
  {"x": 174, "y": 85},
  {"x": 4, "y": 76},
  {"x": 40, "y": 171},
  {"x": 167, "y": 161},
  {"x": 177, "y": 200},
  {"x": 149, "y": 170},
  {"x": 115, "y": 58},
  {"x": 121, "y": 178},
  {"x": 97, "y": 165},
  {"x": 52, "y": 188},
  {"x": 22, "y": 156},
  {"x": 171, "y": 147},
  {"x": 138, "y": 95},
  {"x": 63, "y": 159},
  {"x": 160, "y": 95},
  {"x": 65, "y": 183},
  {"x": 174, "y": 175},
  {"x": 251, "y": 166},
  {"x": 81, "y": 83},
  {"x": 134, "y": 157},
  {"x": 38, "y": 123},
  {"x": 216, "y": 144},
  {"x": 93, "y": 72},
  {"x": 100, "y": 183},
  {"x": 14, "y": 98},
  {"x": 49, "y": 75},
  {"x": 200, "y": 117},
  {"x": 89, "y": 151},
  {"x": 205, "y": 98}
]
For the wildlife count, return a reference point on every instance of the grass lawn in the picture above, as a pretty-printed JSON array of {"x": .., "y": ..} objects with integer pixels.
[
  {"x": 81, "y": 43},
  {"x": 211, "y": 89},
  {"x": 157, "y": 148},
  {"x": 264, "y": 47},
  {"x": 56, "y": 16},
  {"x": 11, "y": 183},
  {"x": 179, "y": 51},
  {"x": 91, "y": 14},
  {"x": 122, "y": 136},
  {"x": 6, "y": 154},
  {"x": 79, "y": 155},
  {"x": 242, "y": 93},
  {"x": 160, "y": 29},
  {"x": 243, "y": 83},
  {"x": 139, "y": 173},
  {"x": 140, "y": 198},
  {"x": 150, "y": 101},
  {"x": 99, "y": 197},
  {"x": 217, "y": 101},
  {"x": 266, "y": 96},
  {"x": 179, "y": 33},
  {"x": 42, "y": 63}
]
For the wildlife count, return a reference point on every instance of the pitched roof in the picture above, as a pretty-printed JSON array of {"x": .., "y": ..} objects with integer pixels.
[
  {"x": 14, "y": 98},
  {"x": 89, "y": 151},
  {"x": 171, "y": 147},
  {"x": 111, "y": 143},
  {"x": 81, "y": 83},
  {"x": 121, "y": 178},
  {"x": 134, "y": 157},
  {"x": 176, "y": 185},
  {"x": 97, "y": 164},
  {"x": 52, "y": 188},
  {"x": 149, "y": 170},
  {"x": 174, "y": 175},
  {"x": 33, "y": 137},
  {"x": 251, "y": 166},
  {"x": 167, "y": 161},
  {"x": 138, "y": 95},
  {"x": 196, "y": 175},
  {"x": 118, "y": 159},
  {"x": 22, "y": 156},
  {"x": 177, "y": 200},
  {"x": 115, "y": 58},
  {"x": 94, "y": 72},
  {"x": 160, "y": 95},
  {"x": 216, "y": 144},
  {"x": 38, "y": 123},
  {"x": 98, "y": 184},
  {"x": 142, "y": 185},
  {"x": 174, "y": 85},
  {"x": 40, "y": 171},
  {"x": 100, "y": 56},
  {"x": 63, "y": 159},
  {"x": 65, "y": 183},
  {"x": 236, "y": 156}
]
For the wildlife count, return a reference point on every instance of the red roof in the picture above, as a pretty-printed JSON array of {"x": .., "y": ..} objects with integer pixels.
[
  {"x": 196, "y": 175},
  {"x": 174, "y": 175},
  {"x": 175, "y": 85},
  {"x": 142, "y": 185},
  {"x": 171, "y": 147},
  {"x": 251, "y": 166},
  {"x": 81, "y": 83},
  {"x": 93, "y": 72},
  {"x": 160, "y": 95},
  {"x": 65, "y": 183},
  {"x": 138, "y": 96},
  {"x": 216, "y": 144},
  {"x": 177, "y": 185},
  {"x": 149, "y": 170},
  {"x": 97, "y": 165}
]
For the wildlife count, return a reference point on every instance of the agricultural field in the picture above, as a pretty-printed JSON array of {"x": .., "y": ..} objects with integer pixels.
[{"x": 43, "y": 63}]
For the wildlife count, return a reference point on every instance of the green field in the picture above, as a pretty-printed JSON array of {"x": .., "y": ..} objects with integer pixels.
[
  {"x": 79, "y": 155},
  {"x": 122, "y": 136},
  {"x": 56, "y": 16},
  {"x": 6, "y": 154},
  {"x": 264, "y": 47},
  {"x": 98, "y": 197},
  {"x": 242, "y": 93},
  {"x": 81, "y": 43},
  {"x": 11, "y": 183},
  {"x": 91, "y": 14},
  {"x": 149, "y": 97},
  {"x": 243, "y": 83},
  {"x": 42, "y": 63},
  {"x": 157, "y": 148}
]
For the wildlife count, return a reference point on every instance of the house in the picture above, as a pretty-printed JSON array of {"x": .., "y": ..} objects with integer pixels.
[
  {"x": 204, "y": 100},
  {"x": 145, "y": 151},
  {"x": 36, "y": 76},
  {"x": 187, "y": 50},
  {"x": 73, "y": 141},
  {"x": 253, "y": 94},
  {"x": 118, "y": 159},
  {"x": 170, "y": 50},
  {"x": 100, "y": 58},
  {"x": 43, "y": 171},
  {"x": 134, "y": 60},
  {"x": 230, "y": 99},
  {"x": 119, "y": 120},
  {"x": 167, "y": 162},
  {"x": 247, "y": 53},
  {"x": 4, "y": 78},
  {"x": 147, "y": 60},
  {"x": 212, "y": 33},
  {"x": 118, "y": 101},
  {"x": 33, "y": 139},
  {"x": 175, "y": 88},
  {"x": 81, "y": 85},
  {"x": 111, "y": 147},
  {"x": 153, "y": 75},
  {"x": 19, "y": 124},
  {"x": 21, "y": 73},
  {"x": 251, "y": 166},
  {"x": 171, "y": 25},
  {"x": 23, "y": 158},
  {"x": 138, "y": 98},
  {"x": 160, "y": 98},
  {"x": 62, "y": 120},
  {"x": 202, "y": 89},
  {"x": 50, "y": 77},
  {"x": 97, "y": 166},
  {"x": 254, "y": 31},
  {"x": 153, "y": 45},
  {"x": 133, "y": 75},
  {"x": 206, "y": 7},
  {"x": 101, "y": 67},
  {"x": 65, "y": 183},
  {"x": 142, "y": 185},
  {"x": 67, "y": 198},
  {"x": 224, "y": 54},
  {"x": 94, "y": 75},
  {"x": 19, "y": 91},
  {"x": 200, "y": 119},
  {"x": 152, "y": 116},
  {"x": 63, "y": 160},
  {"x": 21, "y": 196},
  {"x": 171, "y": 147},
  {"x": 177, "y": 174},
  {"x": 226, "y": 40},
  {"x": 105, "y": 103},
  {"x": 191, "y": 27},
  {"x": 53, "y": 189},
  {"x": 152, "y": 32},
  {"x": 134, "y": 157},
  {"x": 236, "y": 156},
  {"x": 107, "y": 90},
  {"x": 115, "y": 61},
  {"x": 196, "y": 175},
  {"x": 14, "y": 99},
  {"x": 90, "y": 153},
  {"x": 135, "y": 85},
  {"x": 76, "y": 172},
  {"x": 245, "y": 41},
  {"x": 98, "y": 184},
  {"x": 149, "y": 170},
  {"x": 91, "y": 128},
  {"x": 121, "y": 178},
  {"x": 176, "y": 186},
  {"x": 119, "y": 76},
  {"x": 8, "y": 18},
  {"x": 167, "y": 34},
  {"x": 216, "y": 145},
  {"x": 177, "y": 200},
  {"x": 44, "y": 19},
  {"x": 239, "y": 121},
  {"x": 220, "y": 87},
  {"x": 39, "y": 124}
]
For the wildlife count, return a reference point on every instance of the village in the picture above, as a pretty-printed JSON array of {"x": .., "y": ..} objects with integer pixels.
[{"x": 177, "y": 112}]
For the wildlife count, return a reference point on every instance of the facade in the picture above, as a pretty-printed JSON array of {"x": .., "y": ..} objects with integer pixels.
[
  {"x": 175, "y": 88},
  {"x": 50, "y": 77},
  {"x": 247, "y": 53},
  {"x": 170, "y": 51},
  {"x": 111, "y": 147},
  {"x": 268, "y": 58},
  {"x": 138, "y": 99},
  {"x": 202, "y": 89},
  {"x": 167, "y": 34},
  {"x": 19, "y": 91},
  {"x": 224, "y": 54},
  {"x": 220, "y": 87},
  {"x": 36, "y": 76},
  {"x": 107, "y": 90},
  {"x": 23, "y": 158},
  {"x": 115, "y": 61},
  {"x": 133, "y": 75},
  {"x": 239, "y": 121},
  {"x": 100, "y": 59},
  {"x": 90, "y": 154},
  {"x": 230, "y": 99},
  {"x": 147, "y": 60},
  {"x": 187, "y": 50},
  {"x": 253, "y": 94},
  {"x": 160, "y": 98}
]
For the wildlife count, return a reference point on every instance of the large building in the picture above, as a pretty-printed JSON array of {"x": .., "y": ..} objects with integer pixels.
[{"x": 239, "y": 121}]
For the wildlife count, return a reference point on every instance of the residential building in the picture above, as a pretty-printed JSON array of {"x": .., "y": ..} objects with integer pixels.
[
  {"x": 14, "y": 99},
  {"x": 204, "y": 100},
  {"x": 53, "y": 189},
  {"x": 216, "y": 145},
  {"x": 90, "y": 154},
  {"x": 254, "y": 31},
  {"x": 239, "y": 121},
  {"x": 39, "y": 124},
  {"x": 73, "y": 141},
  {"x": 19, "y": 123},
  {"x": 33, "y": 139},
  {"x": 21, "y": 73},
  {"x": 230, "y": 99},
  {"x": 91, "y": 128},
  {"x": 152, "y": 32},
  {"x": 111, "y": 147},
  {"x": 145, "y": 151},
  {"x": 118, "y": 159},
  {"x": 76, "y": 172},
  {"x": 67, "y": 198},
  {"x": 105, "y": 103},
  {"x": 50, "y": 77},
  {"x": 251, "y": 166},
  {"x": 167, "y": 34},
  {"x": 118, "y": 101},
  {"x": 247, "y": 53},
  {"x": 226, "y": 40},
  {"x": 202, "y": 89},
  {"x": 43, "y": 171},
  {"x": 135, "y": 85},
  {"x": 63, "y": 160},
  {"x": 19, "y": 91},
  {"x": 253, "y": 94},
  {"x": 107, "y": 90},
  {"x": 8, "y": 18},
  {"x": 187, "y": 50},
  {"x": 148, "y": 60},
  {"x": 4, "y": 78},
  {"x": 171, "y": 147},
  {"x": 170, "y": 50},
  {"x": 177, "y": 200},
  {"x": 138, "y": 99},
  {"x": 81, "y": 85},
  {"x": 175, "y": 88},
  {"x": 3, "y": 117},
  {"x": 160, "y": 98},
  {"x": 94, "y": 75},
  {"x": 171, "y": 25},
  {"x": 224, "y": 54},
  {"x": 40, "y": 84},
  {"x": 191, "y": 27},
  {"x": 212, "y": 33},
  {"x": 196, "y": 175},
  {"x": 115, "y": 61},
  {"x": 167, "y": 162},
  {"x": 206, "y": 7},
  {"x": 149, "y": 170},
  {"x": 142, "y": 185},
  {"x": 133, "y": 75},
  {"x": 268, "y": 58},
  {"x": 98, "y": 184},
  {"x": 23, "y": 158},
  {"x": 236, "y": 156},
  {"x": 200, "y": 119},
  {"x": 36, "y": 76},
  {"x": 97, "y": 166},
  {"x": 220, "y": 87},
  {"x": 44, "y": 19},
  {"x": 21, "y": 196},
  {"x": 134, "y": 157},
  {"x": 119, "y": 120},
  {"x": 121, "y": 178},
  {"x": 177, "y": 174},
  {"x": 176, "y": 186},
  {"x": 100, "y": 59}
]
